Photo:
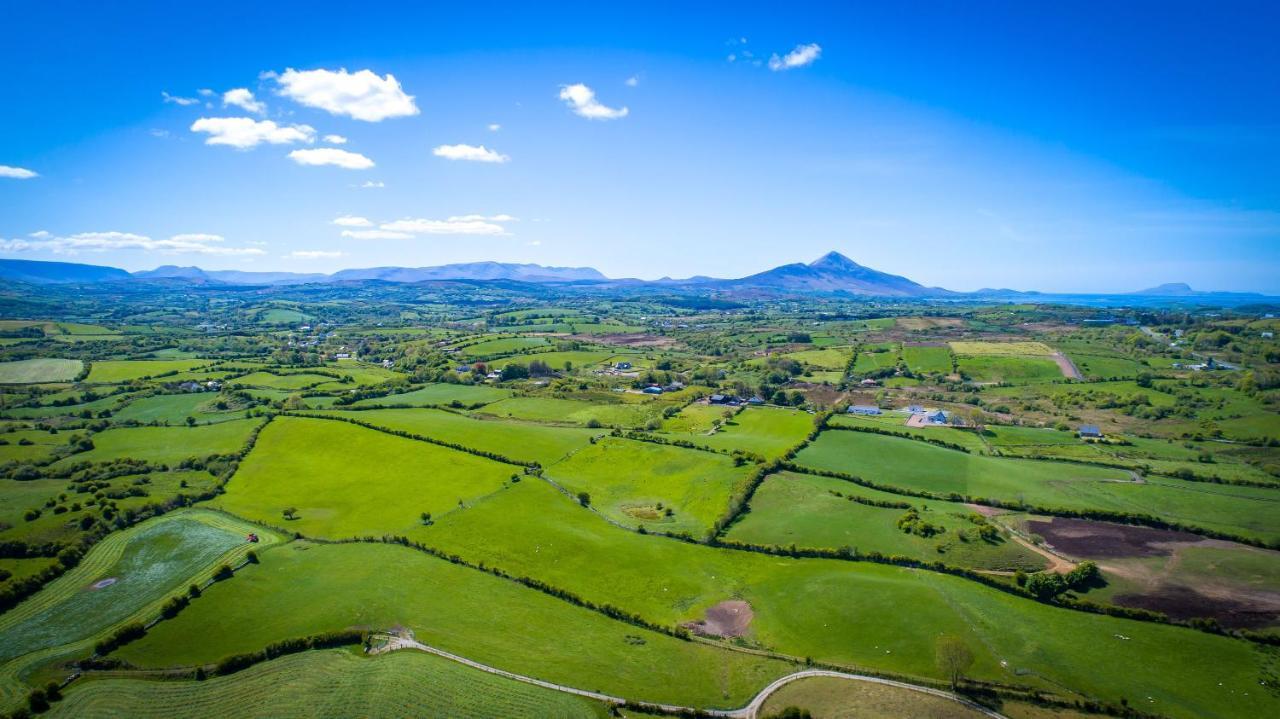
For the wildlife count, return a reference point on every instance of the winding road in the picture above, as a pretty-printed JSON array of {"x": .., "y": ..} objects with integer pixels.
[{"x": 750, "y": 711}]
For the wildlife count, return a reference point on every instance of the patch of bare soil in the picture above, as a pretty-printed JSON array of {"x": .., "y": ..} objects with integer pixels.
[
  {"x": 729, "y": 618},
  {"x": 985, "y": 510},
  {"x": 1183, "y": 602},
  {"x": 1069, "y": 369},
  {"x": 1100, "y": 540}
]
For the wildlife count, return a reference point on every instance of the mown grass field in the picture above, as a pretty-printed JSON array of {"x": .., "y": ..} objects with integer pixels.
[
  {"x": 438, "y": 394},
  {"x": 297, "y": 380},
  {"x": 174, "y": 409},
  {"x": 919, "y": 466},
  {"x": 348, "y": 481},
  {"x": 832, "y": 698},
  {"x": 521, "y": 441},
  {"x": 635, "y": 482},
  {"x": 454, "y": 608},
  {"x": 996, "y": 368},
  {"x": 327, "y": 684},
  {"x": 855, "y": 613},
  {"x": 504, "y": 345},
  {"x": 1010, "y": 349},
  {"x": 796, "y": 509},
  {"x": 33, "y": 371}
]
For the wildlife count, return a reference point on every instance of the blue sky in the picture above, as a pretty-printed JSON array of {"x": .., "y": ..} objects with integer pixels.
[{"x": 1095, "y": 147}]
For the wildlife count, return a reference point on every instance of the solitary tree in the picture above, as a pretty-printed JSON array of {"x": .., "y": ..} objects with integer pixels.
[
  {"x": 290, "y": 512},
  {"x": 584, "y": 499},
  {"x": 954, "y": 658}
]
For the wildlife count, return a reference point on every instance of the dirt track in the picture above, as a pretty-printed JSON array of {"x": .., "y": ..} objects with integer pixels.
[
  {"x": 1069, "y": 369},
  {"x": 750, "y": 711}
]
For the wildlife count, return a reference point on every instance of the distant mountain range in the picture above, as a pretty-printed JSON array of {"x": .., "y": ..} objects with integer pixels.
[{"x": 833, "y": 273}]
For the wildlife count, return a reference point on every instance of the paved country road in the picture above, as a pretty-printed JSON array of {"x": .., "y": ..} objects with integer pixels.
[{"x": 750, "y": 711}]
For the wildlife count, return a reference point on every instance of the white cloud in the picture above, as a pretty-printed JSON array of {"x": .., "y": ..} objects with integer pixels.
[
  {"x": 494, "y": 127},
  {"x": 313, "y": 254},
  {"x": 177, "y": 100},
  {"x": 242, "y": 98},
  {"x": 466, "y": 225},
  {"x": 582, "y": 100},
  {"x": 352, "y": 221},
  {"x": 17, "y": 173},
  {"x": 370, "y": 184},
  {"x": 331, "y": 156},
  {"x": 471, "y": 153},
  {"x": 205, "y": 92},
  {"x": 157, "y": 132},
  {"x": 476, "y": 218},
  {"x": 245, "y": 132},
  {"x": 534, "y": 243},
  {"x": 376, "y": 235},
  {"x": 190, "y": 243},
  {"x": 335, "y": 139},
  {"x": 361, "y": 95},
  {"x": 801, "y": 56},
  {"x": 633, "y": 81}
]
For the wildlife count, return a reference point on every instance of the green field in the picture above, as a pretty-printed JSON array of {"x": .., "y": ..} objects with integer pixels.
[
  {"x": 348, "y": 481},
  {"x": 558, "y": 360},
  {"x": 919, "y": 466},
  {"x": 329, "y": 684},
  {"x": 854, "y": 613},
  {"x": 833, "y": 698},
  {"x": 927, "y": 359},
  {"x": 522, "y": 441},
  {"x": 166, "y": 445},
  {"x": 504, "y": 345},
  {"x": 996, "y": 368},
  {"x": 39, "y": 370},
  {"x": 113, "y": 371},
  {"x": 766, "y": 431},
  {"x": 174, "y": 409},
  {"x": 794, "y": 509},
  {"x": 453, "y": 608},
  {"x": 635, "y": 482},
  {"x": 572, "y": 411},
  {"x": 439, "y": 394}
]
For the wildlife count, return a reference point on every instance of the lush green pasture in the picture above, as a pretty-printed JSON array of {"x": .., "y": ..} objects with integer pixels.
[
  {"x": 113, "y": 371},
  {"x": 443, "y": 393},
  {"x": 504, "y": 345},
  {"x": 995, "y": 368},
  {"x": 523, "y": 441},
  {"x": 460, "y": 610},
  {"x": 17, "y": 497},
  {"x": 1095, "y": 366},
  {"x": 923, "y": 467},
  {"x": 40, "y": 445},
  {"x": 927, "y": 359},
  {"x": 174, "y": 409},
  {"x": 329, "y": 684},
  {"x": 1008, "y": 349},
  {"x": 33, "y": 371},
  {"x": 299, "y": 380},
  {"x": 573, "y": 411},
  {"x": 166, "y": 445},
  {"x": 350, "y": 481},
  {"x": 870, "y": 360},
  {"x": 635, "y": 482},
  {"x": 696, "y": 418},
  {"x": 109, "y": 402},
  {"x": 802, "y": 510},
  {"x": 856, "y": 613},
  {"x": 767, "y": 431}
]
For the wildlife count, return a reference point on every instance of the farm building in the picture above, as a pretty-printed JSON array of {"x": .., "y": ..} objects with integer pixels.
[
  {"x": 868, "y": 382},
  {"x": 1090, "y": 431},
  {"x": 623, "y": 365},
  {"x": 655, "y": 389},
  {"x": 864, "y": 409},
  {"x": 937, "y": 416}
]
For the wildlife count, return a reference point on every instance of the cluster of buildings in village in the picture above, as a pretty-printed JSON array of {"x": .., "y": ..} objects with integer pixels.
[{"x": 915, "y": 411}]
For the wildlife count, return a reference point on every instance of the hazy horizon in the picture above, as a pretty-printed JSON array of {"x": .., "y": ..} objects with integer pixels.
[{"x": 1002, "y": 146}]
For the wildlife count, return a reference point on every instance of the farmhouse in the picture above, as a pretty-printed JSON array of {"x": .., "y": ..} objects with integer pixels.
[
  {"x": 864, "y": 409},
  {"x": 1090, "y": 431},
  {"x": 938, "y": 416},
  {"x": 868, "y": 382},
  {"x": 622, "y": 365},
  {"x": 652, "y": 389}
]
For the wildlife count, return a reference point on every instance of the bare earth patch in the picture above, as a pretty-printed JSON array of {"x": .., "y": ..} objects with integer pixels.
[
  {"x": 1101, "y": 540},
  {"x": 729, "y": 618},
  {"x": 632, "y": 340}
]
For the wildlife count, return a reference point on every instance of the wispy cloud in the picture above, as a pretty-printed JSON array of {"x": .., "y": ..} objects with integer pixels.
[
  {"x": 243, "y": 133},
  {"x": 377, "y": 235},
  {"x": 633, "y": 81},
  {"x": 352, "y": 221},
  {"x": 582, "y": 100},
  {"x": 494, "y": 127},
  {"x": 179, "y": 100},
  {"x": 373, "y": 185},
  {"x": 360, "y": 95},
  {"x": 189, "y": 243},
  {"x": 17, "y": 173},
  {"x": 470, "y": 153},
  {"x": 314, "y": 254},
  {"x": 411, "y": 227},
  {"x": 331, "y": 156},
  {"x": 801, "y": 56},
  {"x": 335, "y": 139}
]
